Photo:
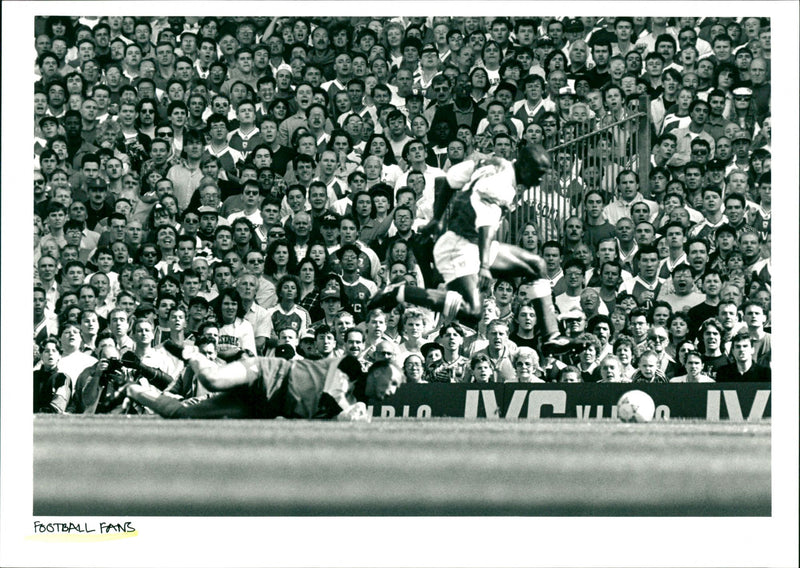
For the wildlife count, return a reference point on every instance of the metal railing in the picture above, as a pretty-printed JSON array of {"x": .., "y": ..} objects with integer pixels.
[{"x": 584, "y": 159}]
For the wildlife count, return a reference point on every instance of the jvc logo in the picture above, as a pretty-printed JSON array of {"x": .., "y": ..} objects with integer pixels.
[
  {"x": 536, "y": 400},
  {"x": 731, "y": 399}
]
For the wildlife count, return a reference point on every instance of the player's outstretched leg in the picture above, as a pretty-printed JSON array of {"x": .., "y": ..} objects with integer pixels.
[
  {"x": 461, "y": 300},
  {"x": 513, "y": 261},
  {"x": 218, "y": 405}
]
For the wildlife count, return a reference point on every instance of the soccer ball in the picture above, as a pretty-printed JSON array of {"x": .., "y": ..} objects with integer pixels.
[{"x": 635, "y": 406}]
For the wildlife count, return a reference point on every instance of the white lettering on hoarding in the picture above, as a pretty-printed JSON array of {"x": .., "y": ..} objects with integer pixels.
[
  {"x": 731, "y": 398},
  {"x": 515, "y": 406},
  {"x": 489, "y": 404},
  {"x": 537, "y": 399}
]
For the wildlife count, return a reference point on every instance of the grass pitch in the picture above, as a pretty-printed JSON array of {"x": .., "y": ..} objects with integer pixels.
[{"x": 143, "y": 466}]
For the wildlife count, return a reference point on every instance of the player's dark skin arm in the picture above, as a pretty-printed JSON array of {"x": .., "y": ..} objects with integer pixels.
[
  {"x": 486, "y": 235},
  {"x": 443, "y": 192},
  {"x": 157, "y": 377}
]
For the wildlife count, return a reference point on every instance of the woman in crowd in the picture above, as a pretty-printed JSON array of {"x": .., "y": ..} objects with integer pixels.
[
  {"x": 378, "y": 145},
  {"x": 159, "y": 216},
  {"x": 287, "y": 313},
  {"x": 678, "y": 327},
  {"x": 587, "y": 357},
  {"x": 318, "y": 254},
  {"x": 394, "y": 323},
  {"x": 235, "y": 332},
  {"x": 308, "y": 293},
  {"x": 413, "y": 368},
  {"x": 526, "y": 366},
  {"x": 278, "y": 110},
  {"x": 280, "y": 260},
  {"x": 624, "y": 348},
  {"x": 529, "y": 237}
]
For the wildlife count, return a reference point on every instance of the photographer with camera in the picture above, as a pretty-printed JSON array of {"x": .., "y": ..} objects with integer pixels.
[{"x": 100, "y": 389}]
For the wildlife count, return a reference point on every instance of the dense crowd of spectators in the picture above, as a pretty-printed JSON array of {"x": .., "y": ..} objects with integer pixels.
[{"x": 247, "y": 185}]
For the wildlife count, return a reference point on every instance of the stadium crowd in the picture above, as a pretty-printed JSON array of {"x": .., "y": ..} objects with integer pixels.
[{"x": 248, "y": 185}]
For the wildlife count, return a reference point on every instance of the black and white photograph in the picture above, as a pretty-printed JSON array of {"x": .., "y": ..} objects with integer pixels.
[{"x": 400, "y": 284}]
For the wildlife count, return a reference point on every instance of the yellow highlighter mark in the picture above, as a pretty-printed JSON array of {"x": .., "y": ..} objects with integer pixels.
[{"x": 80, "y": 537}]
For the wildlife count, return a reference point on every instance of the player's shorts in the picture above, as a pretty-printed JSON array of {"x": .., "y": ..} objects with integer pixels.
[{"x": 456, "y": 257}]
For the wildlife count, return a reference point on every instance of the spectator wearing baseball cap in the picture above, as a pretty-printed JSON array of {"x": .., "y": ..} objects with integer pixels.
[
  {"x": 413, "y": 43},
  {"x": 330, "y": 300},
  {"x": 429, "y": 48},
  {"x": 207, "y": 210},
  {"x": 725, "y": 241},
  {"x": 573, "y": 321},
  {"x": 429, "y": 64},
  {"x": 545, "y": 42},
  {"x": 383, "y": 190},
  {"x": 567, "y": 92},
  {"x": 574, "y": 29},
  {"x": 97, "y": 206},
  {"x": 715, "y": 173},
  {"x": 742, "y": 112},
  {"x": 329, "y": 230},
  {"x": 741, "y": 136},
  {"x": 433, "y": 355},
  {"x": 740, "y": 143}
]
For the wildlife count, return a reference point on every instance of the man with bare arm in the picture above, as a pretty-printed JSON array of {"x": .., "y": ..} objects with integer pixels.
[
  {"x": 467, "y": 254},
  {"x": 267, "y": 387}
]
